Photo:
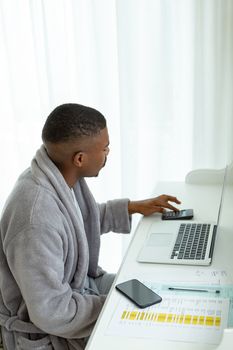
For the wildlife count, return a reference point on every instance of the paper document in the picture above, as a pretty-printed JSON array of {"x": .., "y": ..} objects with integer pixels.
[
  {"x": 185, "y": 318},
  {"x": 200, "y": 276}
]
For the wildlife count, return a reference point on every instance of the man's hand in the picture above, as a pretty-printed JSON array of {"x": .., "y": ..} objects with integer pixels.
[{"x": 153, "y": 205}]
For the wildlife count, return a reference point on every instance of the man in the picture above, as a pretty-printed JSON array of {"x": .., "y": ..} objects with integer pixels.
[{"x": 52, "y": 289}]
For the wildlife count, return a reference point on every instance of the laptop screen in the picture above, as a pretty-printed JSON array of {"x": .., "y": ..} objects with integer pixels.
[
  {"x": 226, "y": 197},
  {"x": 224, "y": 185}
]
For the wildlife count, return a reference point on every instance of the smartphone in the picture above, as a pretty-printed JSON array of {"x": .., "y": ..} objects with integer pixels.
[
  {"x": 137, "y": 292},
  {"x": 184, "y": 214}
]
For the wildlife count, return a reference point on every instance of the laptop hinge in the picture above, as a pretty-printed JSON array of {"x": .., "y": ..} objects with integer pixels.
[{"x": 213, "y": 241}]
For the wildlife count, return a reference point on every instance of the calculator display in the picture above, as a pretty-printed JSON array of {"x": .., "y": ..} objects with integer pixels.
[{"x": 184, "y": 214}]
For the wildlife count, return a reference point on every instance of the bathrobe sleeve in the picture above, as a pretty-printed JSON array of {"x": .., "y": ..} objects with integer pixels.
[{"x": 114, "y": 216}]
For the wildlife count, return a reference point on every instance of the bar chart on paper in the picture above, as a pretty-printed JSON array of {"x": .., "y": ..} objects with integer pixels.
[{"x": 178, "y": 318}]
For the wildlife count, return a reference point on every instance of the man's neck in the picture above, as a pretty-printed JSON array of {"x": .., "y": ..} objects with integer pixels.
[{"x": 70, "y": 177}]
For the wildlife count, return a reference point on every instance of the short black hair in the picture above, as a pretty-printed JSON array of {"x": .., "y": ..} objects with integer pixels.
[{"x": 69, "y": 121}]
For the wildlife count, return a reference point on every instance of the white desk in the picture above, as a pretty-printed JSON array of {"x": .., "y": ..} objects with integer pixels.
[{"x": 204, "y": 200}]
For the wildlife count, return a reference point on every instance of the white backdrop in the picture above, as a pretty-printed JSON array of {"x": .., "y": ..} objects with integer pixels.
[{"x": 159, "y": 70}]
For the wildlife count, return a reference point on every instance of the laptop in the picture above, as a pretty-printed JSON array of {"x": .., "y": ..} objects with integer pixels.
[{"x": 182, "y": 242}]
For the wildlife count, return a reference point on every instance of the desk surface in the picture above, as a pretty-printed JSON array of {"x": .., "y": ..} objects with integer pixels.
[{"x": 204, "y": 200}]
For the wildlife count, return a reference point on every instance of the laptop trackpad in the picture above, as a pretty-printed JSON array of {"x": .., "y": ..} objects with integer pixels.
[{"x": 160, "y": 239}]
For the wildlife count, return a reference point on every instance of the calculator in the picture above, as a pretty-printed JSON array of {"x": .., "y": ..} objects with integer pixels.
[{"x": 184, "y": 214}]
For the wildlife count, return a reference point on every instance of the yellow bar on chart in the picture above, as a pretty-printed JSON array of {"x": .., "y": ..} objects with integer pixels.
[
  {"x": 170, "y": 318},
  {"x": 133, "y": 315},
  {"x": 181, "y": 319},
  {"x": 209, "y": 321},
  {"x": 142, "y": 316},
  {"x": 161, "y": 317},
  {"x": 217, "y": 321},
  {"x": 201, "y": 320},
  {"x": 187, "y": 319},
  {"x": 195, "y": 320},
  {"x": 123, "y": 315}
]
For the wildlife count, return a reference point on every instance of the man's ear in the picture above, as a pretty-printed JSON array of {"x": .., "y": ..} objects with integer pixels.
[{"x": 79, "y": 159}]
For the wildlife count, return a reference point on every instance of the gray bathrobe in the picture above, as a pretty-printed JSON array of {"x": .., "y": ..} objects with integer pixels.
[{"x": 46, "y": 255}]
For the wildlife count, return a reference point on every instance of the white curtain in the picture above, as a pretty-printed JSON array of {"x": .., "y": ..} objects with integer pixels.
[{"x": 159, "y": 70}]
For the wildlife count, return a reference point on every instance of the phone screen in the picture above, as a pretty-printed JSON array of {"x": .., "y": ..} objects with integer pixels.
[{"x": 137, "y": 292}]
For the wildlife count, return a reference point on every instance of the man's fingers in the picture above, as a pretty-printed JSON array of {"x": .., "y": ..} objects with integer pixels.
[
  {"x": 173, "y": 199},
  {"x": 169, "y": 206}
]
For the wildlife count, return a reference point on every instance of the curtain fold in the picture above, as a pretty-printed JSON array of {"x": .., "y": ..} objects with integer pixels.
[
  {"x": 213, "y": 84},
  {"x": 160, "y": 71}
]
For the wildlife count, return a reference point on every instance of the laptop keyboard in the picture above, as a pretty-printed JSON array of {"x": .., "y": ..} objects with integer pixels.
[{"x": 191, "y": 242}]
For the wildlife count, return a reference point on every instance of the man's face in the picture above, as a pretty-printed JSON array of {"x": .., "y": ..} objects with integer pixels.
[{"x": 96, "y": 153}]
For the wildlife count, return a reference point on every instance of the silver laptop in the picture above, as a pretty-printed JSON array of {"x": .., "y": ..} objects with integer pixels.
[{"x": 186, "y": 242}]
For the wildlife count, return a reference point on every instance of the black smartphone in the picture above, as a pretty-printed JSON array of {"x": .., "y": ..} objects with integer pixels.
[
  {"x": 184, "y": 214},
  {"x": 137, "y": 292}
]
